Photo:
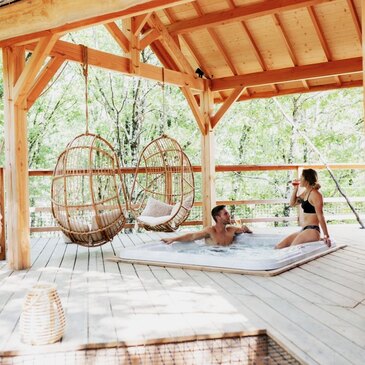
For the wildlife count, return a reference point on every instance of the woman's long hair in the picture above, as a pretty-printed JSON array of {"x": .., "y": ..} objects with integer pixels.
[{"x": 311, "y": 177}]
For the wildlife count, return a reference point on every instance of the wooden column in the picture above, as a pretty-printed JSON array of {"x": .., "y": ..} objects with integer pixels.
[
  {"x": 208, "y": 158},
  {"x": 2, "y": 220},
  {"x": 16, "y": 163},
  {"x": 363, "y": 52}
]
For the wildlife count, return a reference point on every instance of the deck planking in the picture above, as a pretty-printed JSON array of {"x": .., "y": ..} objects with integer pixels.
[{"x": 315, "y": 311}]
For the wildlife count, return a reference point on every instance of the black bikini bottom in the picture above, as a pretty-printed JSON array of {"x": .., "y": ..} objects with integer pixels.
[{"x": 312, "y": 227}]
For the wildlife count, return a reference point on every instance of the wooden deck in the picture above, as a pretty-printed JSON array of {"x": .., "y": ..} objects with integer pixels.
[{"x": 316, "y": 311}]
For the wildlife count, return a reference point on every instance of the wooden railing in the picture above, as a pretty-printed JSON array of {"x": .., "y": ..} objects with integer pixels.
[{"x": 219, "y": 169}]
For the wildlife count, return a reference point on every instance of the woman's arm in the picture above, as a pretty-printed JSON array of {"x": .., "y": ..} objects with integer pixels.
[
  {"x": 294, "y": 199},
  {"x": 318, "y": 205},
  {"x": 188, "y": 236}
]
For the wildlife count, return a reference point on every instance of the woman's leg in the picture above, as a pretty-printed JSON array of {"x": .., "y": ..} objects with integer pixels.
[
  {"x": 308, "y": 235},
  {"x": 287, "y": 241}
]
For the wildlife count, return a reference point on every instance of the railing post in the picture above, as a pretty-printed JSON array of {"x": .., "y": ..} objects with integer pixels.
[
  {"x": 2, "y": 218},
  {"x": 299, "y": 208}
]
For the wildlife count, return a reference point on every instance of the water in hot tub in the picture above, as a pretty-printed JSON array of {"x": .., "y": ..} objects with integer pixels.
[{"x": 252, "y": 245}]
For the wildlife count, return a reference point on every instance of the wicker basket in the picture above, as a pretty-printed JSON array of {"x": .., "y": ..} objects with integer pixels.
[{"x": 42, "y": 320}]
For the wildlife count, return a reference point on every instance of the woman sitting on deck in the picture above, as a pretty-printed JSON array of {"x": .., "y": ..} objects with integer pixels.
[
  {"x": 222, "y": 233},
  {"x": 311, "y": 201}
]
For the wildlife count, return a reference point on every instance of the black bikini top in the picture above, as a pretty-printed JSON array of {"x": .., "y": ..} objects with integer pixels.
[{"x": 307, "y": 206}]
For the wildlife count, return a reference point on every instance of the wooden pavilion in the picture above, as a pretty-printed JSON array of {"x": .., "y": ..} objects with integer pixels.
[{"x": 244, "y": 49}]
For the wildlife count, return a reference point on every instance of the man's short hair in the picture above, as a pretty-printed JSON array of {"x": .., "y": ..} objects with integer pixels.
[{"x": 216, "y": 210}]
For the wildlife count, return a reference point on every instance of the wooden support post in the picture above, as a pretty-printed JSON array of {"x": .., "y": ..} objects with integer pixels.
[
  {"x": 208, "y": 159},
  {"x": 134, "y": 48},
  {"x": 363, "y": 51},
  {"x": 300, "y": 212},
  {"x": 2, "y": 220},
  {"x": 16, "y": 163}
]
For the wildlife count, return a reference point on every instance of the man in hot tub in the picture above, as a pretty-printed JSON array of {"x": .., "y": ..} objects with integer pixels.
[{"x": 222, "y": 233}]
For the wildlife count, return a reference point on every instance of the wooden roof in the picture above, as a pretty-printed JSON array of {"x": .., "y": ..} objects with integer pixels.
[
  {"x": 271, "y": 47},
  {"x": 246, "y": 48}
]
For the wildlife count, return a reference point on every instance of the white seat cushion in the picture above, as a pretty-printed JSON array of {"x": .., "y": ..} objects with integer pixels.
[
  {"x": 156, "y": 208},
  {"x": 154, "y": 221}
]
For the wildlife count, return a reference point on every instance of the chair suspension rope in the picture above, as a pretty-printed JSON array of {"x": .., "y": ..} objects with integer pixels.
[{"x": 85, "y": 71}]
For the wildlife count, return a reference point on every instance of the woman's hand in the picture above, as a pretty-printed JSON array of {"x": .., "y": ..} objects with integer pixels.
[{"x": 327, "y": 240}]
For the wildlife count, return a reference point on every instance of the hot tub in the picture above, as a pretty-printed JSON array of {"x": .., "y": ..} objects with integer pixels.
[{"x": 249, "y": 253}]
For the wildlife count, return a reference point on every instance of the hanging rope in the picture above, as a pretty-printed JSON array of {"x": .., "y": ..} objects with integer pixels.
[
  {"x": 163, "y": 100},
  {"x": 85, "y": 71}
]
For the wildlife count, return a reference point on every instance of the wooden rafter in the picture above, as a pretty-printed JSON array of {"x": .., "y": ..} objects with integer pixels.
[
  {"x": 256, "y": 51},
  {"x": 43, "y": 79},
  {"x": 26, "y": 79},
  {"x": 355, "y": 18},
  {"x": 118, "y": 36},
  {"x": 149, "y": 37},
  {"x": 253, "y": 45},
  {"x": 170, "y": 44},
  {"x": 289, "y": 48},
  {"x": 195, "y": 109},
  {"x": 252, "y": 11},
  {"x": 32, "y": 20},
  {"x": 321, "y": 38},
  {"x": 189, "y": 45},
  {"x": 236, "y": 93},
  {"x": 140, "y": 21},
  {"x": 72, "y": 52},
  {"x": 317, "y": 70},
  {"x": 219, "y": 44}
]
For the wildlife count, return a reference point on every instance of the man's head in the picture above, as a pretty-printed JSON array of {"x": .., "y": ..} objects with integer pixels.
[{"x": 220, "y": 214}]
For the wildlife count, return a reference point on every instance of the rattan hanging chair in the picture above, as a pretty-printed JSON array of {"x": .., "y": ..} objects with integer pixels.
[
  {"x": 162, "y": 194},
  {"x": 88, "y": 194}
]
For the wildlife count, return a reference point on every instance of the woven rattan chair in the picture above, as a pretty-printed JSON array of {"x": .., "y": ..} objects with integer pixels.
[
  {"x": 88, "y": 193},
  {"x": 162, "y": 193}
]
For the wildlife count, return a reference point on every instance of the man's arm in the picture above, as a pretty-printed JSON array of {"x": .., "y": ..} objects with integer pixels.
[{"x": 188, "y": 236}]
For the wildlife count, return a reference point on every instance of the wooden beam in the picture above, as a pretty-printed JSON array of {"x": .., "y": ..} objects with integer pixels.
[
  {"x": 297, "y": 90},
  {"x": 226, "y": 105},
  {"x": 321, "y": 38},
  {"x": 16, "y": 164},
  {"x": 363, "y": 54},
  {"x": 43, "y": 79},
  {"x": 199, "y": 117},
  {"x": 256, "y": 52},
  {"x": 208, "y": 159},
  {"x": 285, "y": 38},
  {"x": 134, "y": 48},
  {"x": 313, "y": 71},
  {"x": 72, "y": 52},
  {"x": 242, "y": 13},
  {"x": 2, "y": 218},
  {"x": 148, "y": 38},
  {"x": 140, "y": 21},
  {"x": 170, "y": 45},
  {"x": 219, "y": 44},
  {"x": 27, "y": 20},
  {"x": 33, "y": 66},
  {"x": 355, "y": 18},
  {"x": 118, "y": 36}
]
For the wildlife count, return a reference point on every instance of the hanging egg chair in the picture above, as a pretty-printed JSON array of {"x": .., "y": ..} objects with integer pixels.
[
  {"x": 163, "y": 191},
  {"x": 88, "y": 193}
]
